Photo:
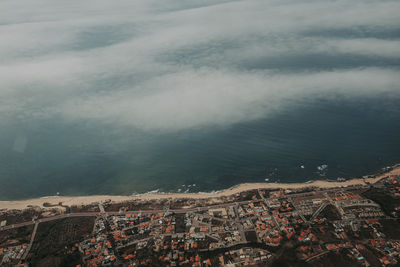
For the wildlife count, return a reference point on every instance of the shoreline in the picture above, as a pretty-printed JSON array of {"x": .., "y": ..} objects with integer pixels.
[{"x": 85, "y": 200}]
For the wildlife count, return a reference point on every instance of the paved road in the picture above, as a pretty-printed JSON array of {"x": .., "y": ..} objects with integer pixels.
[
  {"x": 57, "y": 217},
  {"x": 101, "y": 208},
  {"x": 341, "y": 211},
  {"x": 299, "y": 211},
  {"x": 318, "y": 211},
  {"x": 31, "y": 242},
  {"x": 85, "y": 214}
]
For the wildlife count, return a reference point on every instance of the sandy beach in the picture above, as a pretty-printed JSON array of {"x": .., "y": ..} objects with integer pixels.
[{"x": 82, "y": 200}]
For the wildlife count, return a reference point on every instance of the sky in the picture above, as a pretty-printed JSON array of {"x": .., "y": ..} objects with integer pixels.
[{"x": 172, "y": 65}]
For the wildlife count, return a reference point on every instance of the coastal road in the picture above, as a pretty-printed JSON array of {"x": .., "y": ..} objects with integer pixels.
[
  {"x": 224, "y": 205},
  {"x": 87, "y": 214},
  {"x": 57, "y": 217}
]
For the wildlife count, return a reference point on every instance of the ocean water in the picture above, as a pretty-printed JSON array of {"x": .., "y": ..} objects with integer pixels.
[
  {"x": 352, "y": 137},
  {"x": 131, "y": 96}
]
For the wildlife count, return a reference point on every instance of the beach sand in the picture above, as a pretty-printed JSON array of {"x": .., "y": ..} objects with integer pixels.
[{"x": 84, "y": 200}]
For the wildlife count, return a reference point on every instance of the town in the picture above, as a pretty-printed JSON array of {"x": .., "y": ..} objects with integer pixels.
[{"x": 349, "y": 225}]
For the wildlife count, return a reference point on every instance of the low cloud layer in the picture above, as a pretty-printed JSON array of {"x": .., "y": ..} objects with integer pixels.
[{"x": 184, "y": 64}]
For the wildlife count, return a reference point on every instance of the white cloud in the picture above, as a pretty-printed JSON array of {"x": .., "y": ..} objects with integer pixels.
[
  {"x": 200, "y": 98},
  {"x": 364, "y": 46},
  {"x": 190, "y": 64}
]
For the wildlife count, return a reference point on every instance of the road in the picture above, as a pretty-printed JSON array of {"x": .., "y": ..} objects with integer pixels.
[
  {"x": 298, "y": 210},
  {"x": 103, "y": 212},
  {"x": 31, "y": 242},
  {"x": 318, "y": 211},
  {"x": 86, "y": 214},
  {"x": 57, "y": 217}
]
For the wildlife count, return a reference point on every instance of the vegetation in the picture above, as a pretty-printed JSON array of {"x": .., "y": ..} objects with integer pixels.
[
  {"x": 386, "y": 201},
  {"x": 52, "y": 239}
]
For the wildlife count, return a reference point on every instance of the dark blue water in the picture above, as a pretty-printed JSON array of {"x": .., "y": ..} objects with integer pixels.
[
  {"x": 134, "y": 96},
  {"x": 352, "y": 137}
]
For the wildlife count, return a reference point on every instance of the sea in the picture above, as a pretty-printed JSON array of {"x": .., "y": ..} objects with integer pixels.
[
  {"x": 313, "y": 139},
  {"x": 127, "y": 97}
]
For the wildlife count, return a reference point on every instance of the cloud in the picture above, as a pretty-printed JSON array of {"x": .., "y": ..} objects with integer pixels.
[
  {"x": 200, "y": 98},
  {"x": 185, "y": 64}
]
